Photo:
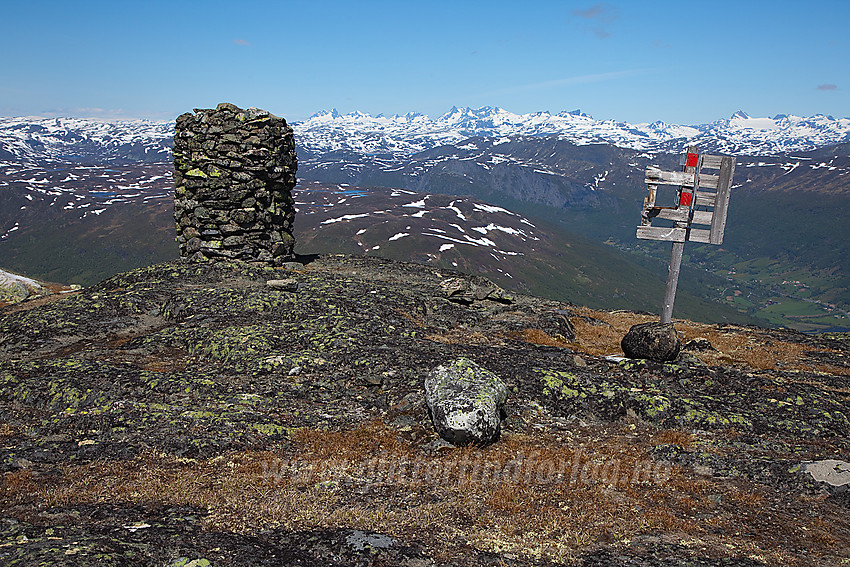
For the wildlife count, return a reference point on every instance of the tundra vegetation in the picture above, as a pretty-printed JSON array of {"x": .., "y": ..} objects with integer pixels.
[{"x": 190, "y": 413}]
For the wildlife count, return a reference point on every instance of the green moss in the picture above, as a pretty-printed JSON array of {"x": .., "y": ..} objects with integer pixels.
[
  {"x": 308, "y": 360},
  {"x": 274, "y": 363},
  {"x": 234, "y": 344},
  {"x": 206, "y": 415},
  {"x": 633, "y": 364},
  {"x": 671, "y": 368}
]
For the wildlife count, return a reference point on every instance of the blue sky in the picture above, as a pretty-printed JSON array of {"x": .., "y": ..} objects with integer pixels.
[{"x": 685, "y": 62}]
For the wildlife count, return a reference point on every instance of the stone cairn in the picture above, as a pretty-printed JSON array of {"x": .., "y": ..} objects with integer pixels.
[{"x": 234, "y": 171}]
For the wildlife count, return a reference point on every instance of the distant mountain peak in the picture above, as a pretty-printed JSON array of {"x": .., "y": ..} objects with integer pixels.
[
  {"x": 333, "y": 113},
  {"x": 451, "y": 112}
]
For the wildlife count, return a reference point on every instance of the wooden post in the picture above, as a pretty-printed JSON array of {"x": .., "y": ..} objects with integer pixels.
[
  {"x": 672, "y": 282},
  {"x": 679, "y": 247}
]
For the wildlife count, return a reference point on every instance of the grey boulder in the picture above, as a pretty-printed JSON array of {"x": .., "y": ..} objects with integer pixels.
[{"x": 465, "y": 402}]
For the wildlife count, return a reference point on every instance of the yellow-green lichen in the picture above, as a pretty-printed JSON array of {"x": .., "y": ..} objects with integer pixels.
[
  {"x": 558, "y": 384},
  {"x": 653, "y": 405},
  {"x": 714, "y": 419},
  {"x": 268, "y": 428}
]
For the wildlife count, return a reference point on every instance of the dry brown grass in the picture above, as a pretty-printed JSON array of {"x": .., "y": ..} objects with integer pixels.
[
  {"x": 673, "y": 437},
  {"x": 746, "y": 498},
  {"x": 18, "y": 487},
  {"x": 173, "y": 361},
  {"x": 821, "y": 532},
  {"x": 6, "y": 430},
  {"x": 370, "y": 438},
  {"x": 506, "y": 497},
  {"x": 734, "y": 345},
  {"x": 462, "y": 336},
  {"x": 539, "y": 337},
  {"x": 415, "y": 318}
]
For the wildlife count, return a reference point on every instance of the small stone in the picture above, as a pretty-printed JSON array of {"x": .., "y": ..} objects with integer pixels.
[
  {"x": 465, "y": 292},
  {"x": 211, "y": 244},
  {"x": 437, "y": 445},
  {"x": 292, "y": 266},
  {"x": 698, "y": 344},
  {"x": 557, "y": 324},
  {"x": 233, "y": 241},
  {"x": 230, "y": 229},
  {"x": 653, "y": 341},
  {"x": 289, "y": 284},
  {"x": 373, "y": 380},
  {"x": 192, "y": 245},
  {"x": 359, "y": 541}
]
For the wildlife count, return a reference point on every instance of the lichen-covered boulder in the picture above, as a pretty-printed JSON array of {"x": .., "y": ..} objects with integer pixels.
[
  {"x": 465, "y": 402},
  {"x": 15, "y": 288},
  {"x": 653, "y": 341},
  {"x": 12, "y": 291}
]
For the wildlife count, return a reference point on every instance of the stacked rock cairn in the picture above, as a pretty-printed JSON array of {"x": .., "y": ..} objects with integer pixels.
[{"x": 234, "y": 171}]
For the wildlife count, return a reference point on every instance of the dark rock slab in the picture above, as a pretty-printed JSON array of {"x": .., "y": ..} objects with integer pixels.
[{"x": 653, "y": 341}]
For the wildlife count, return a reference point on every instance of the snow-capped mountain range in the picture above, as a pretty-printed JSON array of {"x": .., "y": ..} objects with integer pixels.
[
  {"x": 83, "y": 141},
  {"x": 411, "y": 133},
  {"x": 24, "y": 140}
]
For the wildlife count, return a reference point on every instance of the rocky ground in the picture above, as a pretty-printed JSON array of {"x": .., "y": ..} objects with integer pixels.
[
  {"x": 233, "y": 414},
  {"x": 15, "y": 288}
]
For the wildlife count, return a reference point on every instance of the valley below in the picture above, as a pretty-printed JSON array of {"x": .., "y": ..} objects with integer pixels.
[{"x": 782, "y": 263}]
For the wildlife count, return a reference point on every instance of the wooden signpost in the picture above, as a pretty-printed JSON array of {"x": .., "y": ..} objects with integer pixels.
[{"x": 699, "y": 215}]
